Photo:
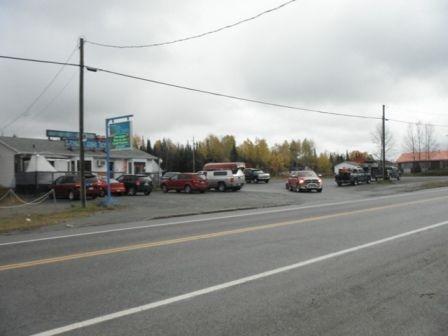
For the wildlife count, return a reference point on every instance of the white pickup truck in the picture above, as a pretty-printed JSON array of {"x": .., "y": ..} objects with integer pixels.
[{"x": 225, "y": 179}]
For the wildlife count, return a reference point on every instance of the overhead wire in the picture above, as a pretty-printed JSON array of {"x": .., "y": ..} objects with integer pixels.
[
  {"x": 182, "y": 87},
  {"x": 50, "y": 83},
  {"x": 224, "y": 95},
  {"x": 55, "y": 97},
  {"x": 158, "y": 44}
]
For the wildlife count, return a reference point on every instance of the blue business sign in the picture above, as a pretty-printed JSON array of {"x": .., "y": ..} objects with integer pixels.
[
  {"x": 120, "y": 135},
  {"x": 68, "y": 135},
  {"x": 91, "y": 145}
]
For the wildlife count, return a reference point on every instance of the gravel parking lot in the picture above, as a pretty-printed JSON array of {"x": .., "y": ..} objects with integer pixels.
[{"x": 252, "y": 196}]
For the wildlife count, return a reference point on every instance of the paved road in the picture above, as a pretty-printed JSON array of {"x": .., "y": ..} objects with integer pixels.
[{"x": 371, "y": 266}]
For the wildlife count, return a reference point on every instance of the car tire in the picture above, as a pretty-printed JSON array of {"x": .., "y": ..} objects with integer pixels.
[
  {"x": 221, "y": 187},
  {"x": 287, "y": 186},
  {"x": 256, "y": 181},
  {"x": 187, "y": 189},
  {"x": 147, "y": 192},
  {"x": 164, "y": 188},
  {"x": 319, "y": 190},
  {"x": 267, "y": 181},
  {"x": 131, "y": 191},
  {"x": 102, "y": 193},
  {"x": 202, "y": 191},
  {"x": 297, "y": 189},
  {"x": 71, "y": 195}
]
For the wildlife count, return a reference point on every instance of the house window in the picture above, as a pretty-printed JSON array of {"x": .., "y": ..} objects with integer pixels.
[
  {"x": 87, "y": 165},
  {"x": 139, "y": 167}
]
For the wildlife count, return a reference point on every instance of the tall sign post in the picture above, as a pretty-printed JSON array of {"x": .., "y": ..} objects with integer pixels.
[{"x": 118, "y": 137}]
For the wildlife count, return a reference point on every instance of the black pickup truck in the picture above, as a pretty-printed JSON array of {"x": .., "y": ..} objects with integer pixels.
[{"x": 353, "y": 177}]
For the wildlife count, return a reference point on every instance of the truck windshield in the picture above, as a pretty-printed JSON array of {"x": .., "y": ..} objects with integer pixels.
[{"x": 307, "y": 174}]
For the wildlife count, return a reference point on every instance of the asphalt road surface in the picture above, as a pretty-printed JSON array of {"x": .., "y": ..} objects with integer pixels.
[{"x": 373, "y": 266}]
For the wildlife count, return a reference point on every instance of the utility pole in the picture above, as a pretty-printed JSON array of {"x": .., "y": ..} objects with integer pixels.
[
  {"x": 81, "y": 123},
  {"x": 383, "y": 143},
  {"x": 194, "y": 160}
]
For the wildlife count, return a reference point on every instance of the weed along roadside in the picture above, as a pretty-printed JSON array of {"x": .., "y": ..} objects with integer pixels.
[{"x": 29, "y": 220}]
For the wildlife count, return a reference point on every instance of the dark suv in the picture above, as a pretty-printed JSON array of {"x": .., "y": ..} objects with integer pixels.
[{"x": 136, "y": 183}]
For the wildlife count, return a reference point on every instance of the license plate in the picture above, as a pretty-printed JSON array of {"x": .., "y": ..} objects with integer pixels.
[{"x": 311, "y": 186}]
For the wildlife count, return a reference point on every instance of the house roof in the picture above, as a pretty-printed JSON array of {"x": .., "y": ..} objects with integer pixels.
[
  {"x": 58, "y": 148},
  {"x": 423, "y": 156}
]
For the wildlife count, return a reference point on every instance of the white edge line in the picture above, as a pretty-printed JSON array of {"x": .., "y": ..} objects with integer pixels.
[
  {"x": 262, "y": 212},
  {"x": 229, "y": 284}
]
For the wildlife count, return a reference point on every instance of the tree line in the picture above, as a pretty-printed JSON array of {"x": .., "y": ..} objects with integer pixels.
[{"x": 277, "y": 159}]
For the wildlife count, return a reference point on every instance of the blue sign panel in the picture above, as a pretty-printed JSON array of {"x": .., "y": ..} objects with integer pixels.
[
  {"x": 92, "y": 145},
  {"x": 120, "y": 135},
  {"x": 68, "y": 134}
]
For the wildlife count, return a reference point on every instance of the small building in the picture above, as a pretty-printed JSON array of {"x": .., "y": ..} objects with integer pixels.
[
  {"x": 16, "y": 152},
  {"x": 414, "y": 162}
]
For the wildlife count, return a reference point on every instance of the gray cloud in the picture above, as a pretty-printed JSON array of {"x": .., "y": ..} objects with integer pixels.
[{"x": 351, "y": 58}]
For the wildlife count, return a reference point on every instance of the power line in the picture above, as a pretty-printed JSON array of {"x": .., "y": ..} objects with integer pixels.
[
  {"x": 56, "y": 96},
  {"x": 236, "y": 97},
  {"x": 415, "y": 123},
  {"x": 38, "y": 60},
  {"x": 216, "y": 93},
  {"x": 53, "y": 79},
  {"x": 158, "y": 44}
]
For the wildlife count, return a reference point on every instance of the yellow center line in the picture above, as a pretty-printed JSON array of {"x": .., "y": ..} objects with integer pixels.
[{"x": 203, "y": 236}]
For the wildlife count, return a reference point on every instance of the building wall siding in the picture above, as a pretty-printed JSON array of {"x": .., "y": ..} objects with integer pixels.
[{"x": 7, "y": 175}]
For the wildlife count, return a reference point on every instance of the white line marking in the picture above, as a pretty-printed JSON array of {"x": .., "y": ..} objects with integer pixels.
[
  {"x": 262, "y": 212},
  {"x": 229, "y": 284}
]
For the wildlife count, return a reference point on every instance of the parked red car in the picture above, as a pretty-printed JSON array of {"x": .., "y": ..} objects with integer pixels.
[
  {"x": 69, "y": 187},
  {"x": 116, "y": 187},
  {"x": 187, "y": 182}
]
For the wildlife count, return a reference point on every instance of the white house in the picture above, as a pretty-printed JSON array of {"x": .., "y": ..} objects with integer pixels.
[{"x": 15, "y": 155}]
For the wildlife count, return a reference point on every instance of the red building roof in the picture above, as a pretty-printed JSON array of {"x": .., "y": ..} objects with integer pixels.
[{"x": 423, "y": 156}]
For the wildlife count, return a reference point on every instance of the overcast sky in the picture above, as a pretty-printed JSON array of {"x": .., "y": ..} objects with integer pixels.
[{"x": 348, "y": 56}]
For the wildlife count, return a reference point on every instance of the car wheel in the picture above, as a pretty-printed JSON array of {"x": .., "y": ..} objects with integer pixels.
[
  {"x": 147, "y": 192},
  {"x": 71, "y": 195},
  {"x": 102, "y": 193},
  {"x": 267, "y": 181},
  {"x": 297, "y": 189},
  {"x": 256, "y": 181},
  {"x": 319, "y": 190},
  {"x": 187, "y": 189},
  {"x": 131, "y": 191},
  {"x": 164, "y": 188},
  {"x": 287, "y": 186},
  {"x": 221, "y": 187},
  {"x": 202, "y": 191}
]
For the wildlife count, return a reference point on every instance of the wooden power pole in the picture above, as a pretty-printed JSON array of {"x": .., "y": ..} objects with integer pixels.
[
  {"x": 81, "y": 124},
  {"x": 383, "y": 143}
]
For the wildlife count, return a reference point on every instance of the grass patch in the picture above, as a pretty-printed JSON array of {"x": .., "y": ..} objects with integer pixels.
[{"x": 33, "y": 221}]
